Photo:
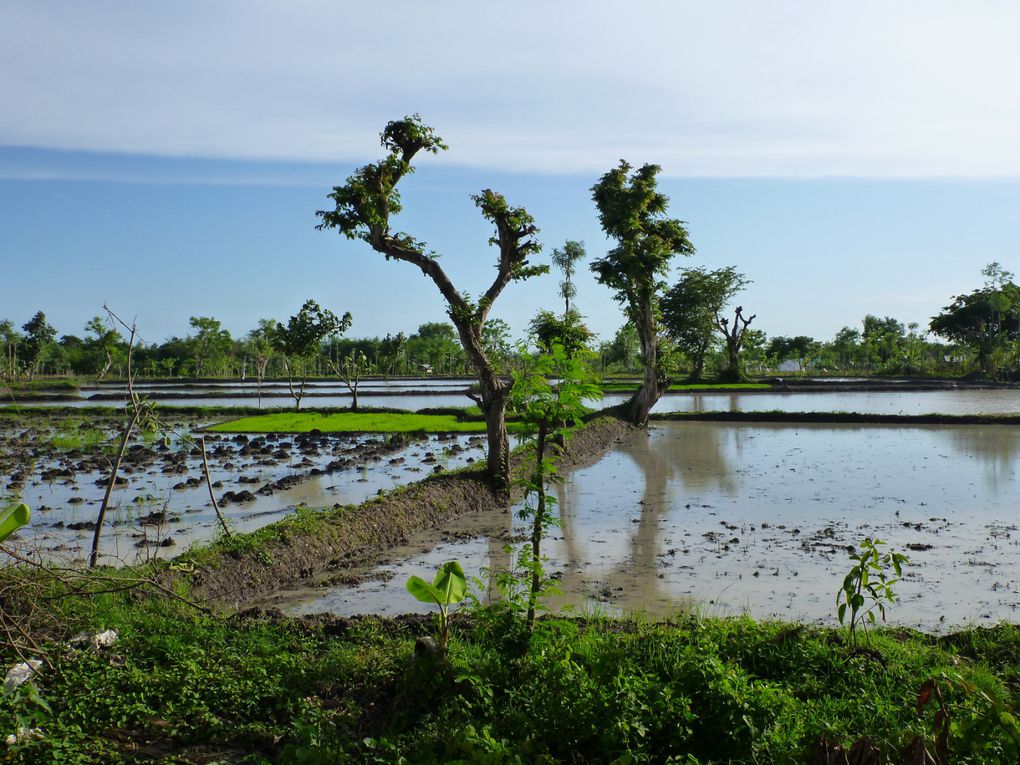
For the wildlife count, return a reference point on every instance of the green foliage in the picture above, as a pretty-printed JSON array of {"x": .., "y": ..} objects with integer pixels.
[
  {"x": 986, "y": 320},
  {"x": 262, "y": 688},
  {"x": 546, "y": 411},
  {"x": 692, "y": 310},
  {"x": 13, "y": 518},
  {"x": 566, "y": 259},
  {"x": 567, "y": 329},
  {"x": 975, "y": 724},
  {"x": 868, "y": 586},
  {"x": 633, "y": 212},
  {"x": 447, "y": 588}
]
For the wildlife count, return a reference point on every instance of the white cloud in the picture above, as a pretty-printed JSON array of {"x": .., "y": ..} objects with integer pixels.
[{"x": 779, "y": 88}]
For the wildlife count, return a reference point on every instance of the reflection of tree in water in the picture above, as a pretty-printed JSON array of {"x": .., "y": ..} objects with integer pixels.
[
  {"x": 690, "y": 454},
  {"x": 675, "y": 460},
  {"x": 997, "y": 446}
]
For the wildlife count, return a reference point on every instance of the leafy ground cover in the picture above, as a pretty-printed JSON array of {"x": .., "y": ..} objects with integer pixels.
[
  {"x": 351, "y": 422},
  {"x": 179, "y": 686}
]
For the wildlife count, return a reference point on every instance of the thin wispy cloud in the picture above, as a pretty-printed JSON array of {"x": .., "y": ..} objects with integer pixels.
[{"x": 777, "y": 89}]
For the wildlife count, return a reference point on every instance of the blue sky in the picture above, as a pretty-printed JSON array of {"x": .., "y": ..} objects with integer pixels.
[{"x": 168, "y": 159}]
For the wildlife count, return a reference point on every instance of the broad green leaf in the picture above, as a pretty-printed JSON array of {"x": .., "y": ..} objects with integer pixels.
[
  {"x": 423, "y": 591},
  {"x": 450, "y": 583},
  {"x": 13, "y": 518}
]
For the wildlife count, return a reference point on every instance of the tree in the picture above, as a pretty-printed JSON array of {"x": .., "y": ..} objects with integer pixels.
[
  {"x": 259, "y": 345},
  {"x": 565, "y": 260},
  {"x": 547, "y": 328},
  {"x": 301, "y": 339},
  {"x": 349, "y": 369},
  {"x": 987, "y": 319},
  {"x": 10, "y": 339},
  {"x": 363, "y": 207},
  {"x": 434, "y": 346},
  {"x": 392, "y": 349},
  {"x": 497, "y": 340},
  {"x": 623, "y": 352},
  {"x": 38, "y": 343},
  {"x": 692, "y": 314},
  {"x": 102, "y": 346},
  {"x": 881, "y": 340},
  {"x": 782, "y": 348},
  {"x": 633, "y": 212},
  {"x": 209, "y": 345}
]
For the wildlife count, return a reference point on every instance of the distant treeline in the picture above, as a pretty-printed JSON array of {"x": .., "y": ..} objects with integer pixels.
[{"x": 879, "y": 346}]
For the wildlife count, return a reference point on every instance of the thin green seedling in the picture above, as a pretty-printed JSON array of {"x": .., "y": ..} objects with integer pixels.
[
  {"x": 447, "y": 588},
  {"x": 868, "y": 587}
]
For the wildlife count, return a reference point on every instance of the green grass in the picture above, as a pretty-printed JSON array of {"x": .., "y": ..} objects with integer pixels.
[
  {"x": 351, "y": 422},
  {"x": 62, "y": 385},
  {"x": 181, "y": 687}
]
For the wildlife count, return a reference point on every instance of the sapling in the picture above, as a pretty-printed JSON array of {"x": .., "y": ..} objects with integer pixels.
[
  {"x": 547, "y": 411},
  {"x": 447, "y": 588},
  {"x": 868, "y": 580}
]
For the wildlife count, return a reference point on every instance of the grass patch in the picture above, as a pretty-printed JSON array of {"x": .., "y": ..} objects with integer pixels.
[
  {"x": 181, "y": 687},
  {"x": 351, "y": 422}
]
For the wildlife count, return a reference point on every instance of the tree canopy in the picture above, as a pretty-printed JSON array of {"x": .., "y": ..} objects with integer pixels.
[
  {"x": 986, "y": 320},
  {"x": 632, "y": 212},
  {"x": 692, "y": 309},
  {"x": 363, "y": 208}
]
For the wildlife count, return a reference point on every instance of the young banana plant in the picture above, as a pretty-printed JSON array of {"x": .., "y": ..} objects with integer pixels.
[
  {"x": 448, "y": 587},
  {"x": 13, "y": 518}
]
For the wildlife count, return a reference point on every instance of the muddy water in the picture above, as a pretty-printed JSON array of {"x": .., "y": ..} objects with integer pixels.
[
  {"x": 760, "y": 519},
  {"x": 449, "y": 393},
  {"x": 165, "y": 505},
  {"x": 964, "y": 401}
]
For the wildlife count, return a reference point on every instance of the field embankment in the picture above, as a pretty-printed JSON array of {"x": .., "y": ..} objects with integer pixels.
[{"x": 244, "y": 569}]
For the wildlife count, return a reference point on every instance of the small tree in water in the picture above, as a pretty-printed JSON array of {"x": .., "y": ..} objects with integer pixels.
[{"x": 547, "y": 411}]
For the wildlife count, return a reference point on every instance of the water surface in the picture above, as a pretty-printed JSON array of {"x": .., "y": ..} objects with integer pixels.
[{"x": 760, "y": 519}]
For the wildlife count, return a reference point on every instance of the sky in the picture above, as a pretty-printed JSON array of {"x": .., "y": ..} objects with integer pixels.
[{"x": 168, "y": 159}]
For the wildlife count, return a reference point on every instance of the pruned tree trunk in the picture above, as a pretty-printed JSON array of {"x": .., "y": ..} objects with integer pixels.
[
  {"x": 495, "y": 391},
  {"x": 735, "y": 339},
  {"x": 653, "y": 384}
]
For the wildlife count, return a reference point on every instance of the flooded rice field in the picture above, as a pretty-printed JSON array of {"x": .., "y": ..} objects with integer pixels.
[
  {"x": 415, "y": 394},
  {"x": 163, "y": 504},
  {"x": 757, "y": 519}
]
